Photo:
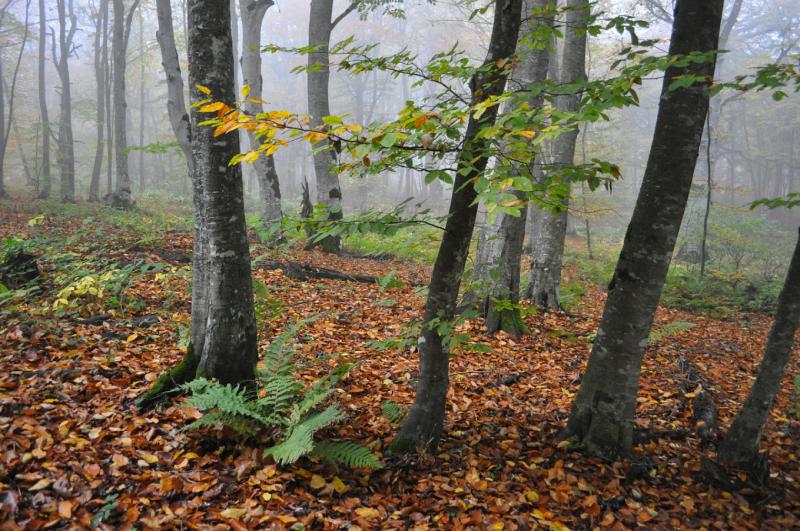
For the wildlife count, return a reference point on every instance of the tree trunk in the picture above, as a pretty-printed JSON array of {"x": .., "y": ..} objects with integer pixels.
[
  {"x": 223, "y": 329},
  {"x": 101, "y": 30},
  {"x": 252, "y": 13},
  {"x": 45, "y": 182},
  {"x": 602, "y": 416},
  {"x": 423, "y": 426},
  {"x": 739, "y": 446},
  {"x": 329, "y": 193},
  {"x": 550, "y": 228},
  {"x": 501, "y": 273},
  {"x": 109, "y": 73},
  {"x": 66, "y": 146},
  {"x": 176, "y": 106},
  {"x": 142, "y": 178},
  {"x": 122, "y": 193}
]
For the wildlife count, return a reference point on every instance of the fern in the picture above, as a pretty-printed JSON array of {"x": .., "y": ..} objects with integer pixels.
[
  {"x": 393, "y": 411},
  {"x": 286, "y": 413},
  {"x": 347, "y": 453}
]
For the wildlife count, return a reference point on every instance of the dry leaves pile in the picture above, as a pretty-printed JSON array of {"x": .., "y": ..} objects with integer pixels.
[{"x": 75, "y": 452}]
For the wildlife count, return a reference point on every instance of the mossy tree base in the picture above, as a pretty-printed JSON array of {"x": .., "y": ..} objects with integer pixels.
[{"x": 168, "y": 383}]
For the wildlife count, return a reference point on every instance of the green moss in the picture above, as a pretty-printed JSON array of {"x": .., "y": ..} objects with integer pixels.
[
  {"x": 167, "y": 383},
  {"x": 512, "y": 323}
]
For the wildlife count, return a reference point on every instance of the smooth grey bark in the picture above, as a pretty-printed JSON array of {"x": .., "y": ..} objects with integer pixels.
[
  {"x": 45, "y": 182},
  {"x": 122, "y": 27},
  {"x": 66, "y": 145},
  {"x": 140, "y": 162},
  {"x": 5, "y": 128},
  {"x": 229, "y": 349},
  {"x": 176, "y": 105},
  {"x": 329, "y": 192},
  {"x": 550, "y": 228},
  {"x": 109, "y": 71},
  {"x": 739, "y": 446},
  {"x": 252, "y": 14},
  {"x": 602, "y": 416},
  {"x": 424, "y": 424},
  {"x": 101, "y": 30},
  {"x": 497, "y": 263},
  {"x": 223, "y": 327}
]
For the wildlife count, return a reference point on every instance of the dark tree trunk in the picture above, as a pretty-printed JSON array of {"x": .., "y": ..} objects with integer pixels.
[
  {"x": 739, "y": 446},
  {"x": 602, "y": 416},
  {"x": 223, "y": 334},
  {"x": 101, "y": 31},
  {"x": 252, "y": 13},
  {"x": 66, "y": 146},
  {"x": 549, "y": 228},
  {"x": 329, "y": 192},
  {"x": 423, "y": 426},
  {"x": 45, "y": 181}
]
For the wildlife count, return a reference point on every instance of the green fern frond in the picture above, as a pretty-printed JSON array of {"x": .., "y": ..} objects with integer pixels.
[
  {"x": 349, "y": 454},
  {"x": 299, "y": 443},
  {"x": 393, "y": 411},
  {"x": 213, "y": 419}
]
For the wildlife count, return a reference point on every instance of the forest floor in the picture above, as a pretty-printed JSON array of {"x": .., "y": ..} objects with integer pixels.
[{"x": 75, "y": 452}]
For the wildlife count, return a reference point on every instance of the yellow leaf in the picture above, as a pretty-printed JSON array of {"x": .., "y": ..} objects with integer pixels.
[
  {"x": 527, "y": 133},
  {"x": 338, "y": 485},
  {"x": 266, "y": 496},
  {"x": 41, "y": 484},
  {"x": 532, "y": 496},
  {"x": 149, "y": 458},
  {"x": 367, "y": 512},
  {"x": 212, "y": 107},
  {"x": 204, "y": 90},
  {"x": 132, "y": 337},
  {"x": 245, "y": 91},
  {"x": 317, "y": 482},
  {"x": 233, "y": 514}
]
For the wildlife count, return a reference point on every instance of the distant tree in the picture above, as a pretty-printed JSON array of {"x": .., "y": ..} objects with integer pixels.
[
  {"x": 252, "y": 13},
  {"x": 100, "y": 65},
  {"x": 66, "y": 144},
  {"x": 602, "y": 416},
  {"x": 45, "y": 181}
]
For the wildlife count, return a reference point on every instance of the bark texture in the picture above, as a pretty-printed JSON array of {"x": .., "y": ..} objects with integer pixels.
[
  {"x": 423, "y": 426},
  {"x": 6, "y": 123},
  {"x": 252, "y": 13},
  {"x": 229, "y": 344},
  {"x": 498, "y": 260},
  {"x": 45, "y": 181},
  {"x": 739, "y": 446},
  {"x": 329, "y": 192},
  {"x": 549, "y": 228},
  {"x": 602, "y": 415},
  {"x": 122, "y": 23}
]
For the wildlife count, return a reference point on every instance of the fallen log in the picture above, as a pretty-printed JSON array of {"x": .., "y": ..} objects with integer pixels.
[{"x": 297, "y": 271}]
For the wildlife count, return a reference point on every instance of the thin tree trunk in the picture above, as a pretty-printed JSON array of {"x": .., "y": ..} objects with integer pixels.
[
  {"x": 329, "y": 192},
  {"x": 109, "y": 74},
  {"x": 739, "y": 446},
  {"x": 252, "y": 14},
  {"x": 142, "y": 177},
  {"x": 122, "y": 27},
  {"x": 709, "y": 184},
  {"x": 45, "y": 182},
  {"x": 66, "y": 146},
  {"x": 550, "y": 228},
  {"x": 602, "y": 416},
  {"x": 499, "y": 267},
  {"x": 423, "y": 426},
  {"x": 6, "y": 131},
  {"x": 101, "y": 31}
]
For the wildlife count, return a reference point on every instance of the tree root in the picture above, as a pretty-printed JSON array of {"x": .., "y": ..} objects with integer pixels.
[{"x": 168, "y": 383}]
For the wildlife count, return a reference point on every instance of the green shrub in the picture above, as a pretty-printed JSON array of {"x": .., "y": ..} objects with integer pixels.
[{"x": 284, "y": 412}]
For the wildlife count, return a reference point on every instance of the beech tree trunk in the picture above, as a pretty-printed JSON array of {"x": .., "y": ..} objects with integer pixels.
[
  {"x": 5, "y": 128},
  {"x": 739, "y": 446},
  {"x": 500, "y": 275},
  {"x": 329, "y": 193},
  {"x": 602, "y": 416},
  {"x": 66, "y": 146},
  {"x": 122, "y": 25},
  {"x": 45, "y": 182},
  {"x": 549, "y": 228},
  {"x": 101, "y": 30},
  {"x": 252, "y": 13},
  {"x": 423, "y": 426}
]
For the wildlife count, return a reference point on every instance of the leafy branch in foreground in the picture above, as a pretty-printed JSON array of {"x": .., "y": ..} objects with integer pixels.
[{"x": 283, "y": 411}]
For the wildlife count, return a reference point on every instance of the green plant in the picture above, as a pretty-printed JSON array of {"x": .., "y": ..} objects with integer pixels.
[
  {"x": 668, "y": 330},
  {"x": 267, "y": 306},
  {"x": 393, "y": 411},
  {"x": 105, "y": 511},
  {"x": 389, "y": 281},
  {"x": 283, "y": 411},
  {"x": 796, "y": 407}
]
